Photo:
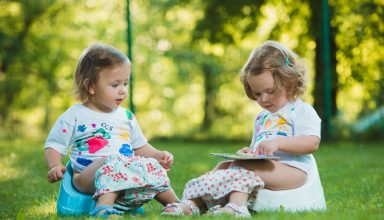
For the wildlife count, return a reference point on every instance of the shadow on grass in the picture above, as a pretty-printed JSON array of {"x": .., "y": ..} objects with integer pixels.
[{"x": 351, "y": 174}]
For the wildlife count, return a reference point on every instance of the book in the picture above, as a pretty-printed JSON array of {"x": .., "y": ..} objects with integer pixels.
[{"x": 244, "y": 156}]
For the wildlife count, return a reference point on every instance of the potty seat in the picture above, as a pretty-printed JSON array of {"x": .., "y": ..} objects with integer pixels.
[
  {"x": 71, "y": 202},
  {"x": 308, "y": 197}
]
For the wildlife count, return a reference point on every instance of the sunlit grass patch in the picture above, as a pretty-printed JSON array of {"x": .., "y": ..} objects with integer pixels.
[
  {"x": 351, "y": 175},
  {"x": 43, "y": 208}
]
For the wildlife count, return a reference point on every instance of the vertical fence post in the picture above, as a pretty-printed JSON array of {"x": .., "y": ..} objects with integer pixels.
[
  {"x": 327, "y": 67},
  {"x": 129, "y": 41}
]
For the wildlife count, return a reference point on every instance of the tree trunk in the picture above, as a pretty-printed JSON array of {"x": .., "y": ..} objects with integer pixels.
[{"x": 209, "y": 97}]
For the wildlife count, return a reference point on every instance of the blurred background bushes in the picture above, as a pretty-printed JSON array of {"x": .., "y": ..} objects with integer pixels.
[{"x": 187, "y": 56}]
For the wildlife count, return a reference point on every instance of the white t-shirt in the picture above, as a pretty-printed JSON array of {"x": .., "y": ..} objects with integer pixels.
[
  {"x": 92, "y": 135},
  {"x": 294, "y": 119}
]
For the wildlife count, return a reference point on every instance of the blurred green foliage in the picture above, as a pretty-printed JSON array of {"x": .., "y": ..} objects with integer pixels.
[{"x": 186, "y": 60}]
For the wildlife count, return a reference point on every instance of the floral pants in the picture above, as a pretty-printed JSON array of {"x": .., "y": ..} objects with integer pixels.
[{"x": 138, "y": 180}]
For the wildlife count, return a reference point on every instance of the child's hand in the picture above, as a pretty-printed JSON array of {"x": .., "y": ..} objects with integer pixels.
[
  {"x": 244, "y": 150},
  {"x": 166, "y": 160},
  {"x": 56, "y": 173},
  {"x": 267, "y": 148}
]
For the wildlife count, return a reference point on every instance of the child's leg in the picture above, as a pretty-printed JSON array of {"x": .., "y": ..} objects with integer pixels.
[
  {"x": 239, "y": 198},
  {"x": 107, "y": 199},
  {"x": 166, "y": 197},
  {"x": 104, "y": 206},
  {"x": 276, "y": 176},
  {"x": 237, "y": 205},
  {"x": 85, "y": 181},
  {"x": 222, "y": 165}
]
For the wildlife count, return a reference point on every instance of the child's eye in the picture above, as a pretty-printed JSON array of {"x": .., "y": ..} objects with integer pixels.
[
  {"x": 125, "y": 84},
  {"x": 271, "y": 91},
  {"x": 115, "y": 85}
]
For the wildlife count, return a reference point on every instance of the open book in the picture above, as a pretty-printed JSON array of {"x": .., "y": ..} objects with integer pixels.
[{"x": 243, "y": 156}]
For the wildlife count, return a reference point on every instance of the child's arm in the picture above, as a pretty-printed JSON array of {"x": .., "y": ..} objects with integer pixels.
[
  {"x": 164, "y": 157},
  {"x": 55, "y": 167},
  {"x": 296, "y": 145}
]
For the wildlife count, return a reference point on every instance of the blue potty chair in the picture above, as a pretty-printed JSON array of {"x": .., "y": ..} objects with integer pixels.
[{"x": 71, "y": 202}]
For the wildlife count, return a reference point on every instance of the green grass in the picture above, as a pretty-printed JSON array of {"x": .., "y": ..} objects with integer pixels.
[{"x": 352, "y": 176}]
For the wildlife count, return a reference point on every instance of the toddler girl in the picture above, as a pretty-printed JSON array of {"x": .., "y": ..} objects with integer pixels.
[
  {"x": 109, "y": 154},
  {"x": 288, "y": 128}
]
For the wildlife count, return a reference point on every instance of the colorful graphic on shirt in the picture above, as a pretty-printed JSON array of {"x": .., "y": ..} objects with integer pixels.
[
  {"x": 282, "y": 126},
  {"x": 83, "y": 161},
  {"x": 126, "y": 150},
  {"x": 81, "y": 128},
  {"x": 124, "y": 134},
  {"x": 130, "y": 115},
  {"x": 96, "y": 141},
  {"x": 271, "y": 125},
  {"x": 263, "y": 119},
  {"x": 268, "y": 123}
]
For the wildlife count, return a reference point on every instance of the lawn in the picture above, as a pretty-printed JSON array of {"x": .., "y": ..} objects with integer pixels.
[{"x": 352, "y": 175}]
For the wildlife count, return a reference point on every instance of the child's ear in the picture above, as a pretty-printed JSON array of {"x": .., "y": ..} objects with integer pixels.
[{"x": 91, "y": 89}]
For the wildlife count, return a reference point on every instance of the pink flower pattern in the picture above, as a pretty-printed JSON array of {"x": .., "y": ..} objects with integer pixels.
[{"x": 138, "y": 179}]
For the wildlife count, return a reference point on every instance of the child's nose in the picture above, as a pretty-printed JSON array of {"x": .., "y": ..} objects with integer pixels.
[
  {"x": 264, "y": 97},
  {"x": 123, "y": 90}
]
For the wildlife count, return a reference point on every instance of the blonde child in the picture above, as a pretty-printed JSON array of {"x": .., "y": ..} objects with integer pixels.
[
  {"x": 289, "y": 128},
  {"x": 109, "y": 154}
]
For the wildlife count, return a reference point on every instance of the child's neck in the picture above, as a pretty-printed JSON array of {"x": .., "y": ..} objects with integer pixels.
[
  {"x": 94, "y": 107},
  {"x": 289, "y": 101}
]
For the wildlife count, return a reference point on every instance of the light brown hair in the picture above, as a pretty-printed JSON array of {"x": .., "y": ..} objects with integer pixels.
[
  {"x": 288, "y": 70},
  {"x": 94, "y": 59}
]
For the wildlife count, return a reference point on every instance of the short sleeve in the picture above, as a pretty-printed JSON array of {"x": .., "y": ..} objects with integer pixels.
[
  {"x": 137, "y": 137},
  {"x": 306, "y": 121},
  {"x": 59, "y": 138}
]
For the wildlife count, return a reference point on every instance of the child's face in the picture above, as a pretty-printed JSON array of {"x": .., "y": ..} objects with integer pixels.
[
  {"x": 265, "y": 91},
  {"x": 110, "y": 89}
]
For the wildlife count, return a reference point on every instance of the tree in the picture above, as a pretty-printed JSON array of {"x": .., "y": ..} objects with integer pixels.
[
  {"x": 217, "y": 25},
  {"x": 40, "y": 42},
  {"x": 230, "y": 23},
  {"x": 18, "y": 18}
]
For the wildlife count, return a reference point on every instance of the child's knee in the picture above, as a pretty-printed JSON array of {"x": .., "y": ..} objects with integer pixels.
[{"x": 222, "y": 165}]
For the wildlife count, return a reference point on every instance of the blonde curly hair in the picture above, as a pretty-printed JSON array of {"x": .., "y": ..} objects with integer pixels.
[{"x": 288, "y": 70}]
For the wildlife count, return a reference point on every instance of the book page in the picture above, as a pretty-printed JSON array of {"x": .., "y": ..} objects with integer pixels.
[{"x": 244, "y": 156}]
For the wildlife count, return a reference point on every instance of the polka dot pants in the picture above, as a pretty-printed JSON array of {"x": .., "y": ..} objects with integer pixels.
[{"x": 214, "y": 187}]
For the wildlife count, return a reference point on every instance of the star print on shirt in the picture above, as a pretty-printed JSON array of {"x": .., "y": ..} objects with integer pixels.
[
  {"x": 93, "y": 125},
  {"x": 64, "y": 130}
]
